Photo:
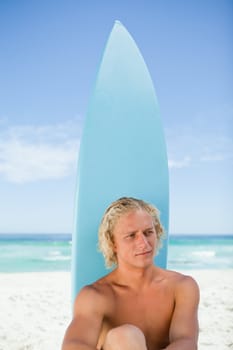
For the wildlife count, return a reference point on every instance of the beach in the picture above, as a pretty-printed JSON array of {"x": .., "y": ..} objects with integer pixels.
[{"x": 36, "y": 309}]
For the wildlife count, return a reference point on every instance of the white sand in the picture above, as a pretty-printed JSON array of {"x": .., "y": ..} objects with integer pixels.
[{"x": 35, "y": 310}]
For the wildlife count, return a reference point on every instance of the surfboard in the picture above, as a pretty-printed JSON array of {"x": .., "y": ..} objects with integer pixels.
[{"x": 122, "y": 152}]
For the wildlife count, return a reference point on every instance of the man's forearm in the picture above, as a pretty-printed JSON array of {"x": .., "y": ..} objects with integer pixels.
[
  {"x": 182, "y": 344},
  {"x": 76, "y": 345}
]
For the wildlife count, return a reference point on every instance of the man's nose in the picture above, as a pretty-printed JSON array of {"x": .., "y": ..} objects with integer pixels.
[{"x": 141, "y": 240}]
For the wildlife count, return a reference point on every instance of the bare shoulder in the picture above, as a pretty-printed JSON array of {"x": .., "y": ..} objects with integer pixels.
[
  {"x": 180, "y": 282},
  {"x": 183, "y": 284},
  {"x": 95, "y": 297}
]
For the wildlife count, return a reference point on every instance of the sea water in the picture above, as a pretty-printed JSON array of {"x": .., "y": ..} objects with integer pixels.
[
  {"x": 200, "y": 252},
  {"x": 52, "y": 252}
]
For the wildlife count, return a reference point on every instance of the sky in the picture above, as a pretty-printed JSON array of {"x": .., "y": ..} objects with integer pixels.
[{"x": 50, "y": 52}]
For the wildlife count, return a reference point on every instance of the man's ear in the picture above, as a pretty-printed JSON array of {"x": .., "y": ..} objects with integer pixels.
[{"x": 114, "y": 247}]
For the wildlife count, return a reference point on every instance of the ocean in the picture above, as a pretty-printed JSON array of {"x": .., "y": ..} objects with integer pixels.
[{"x": 52, "y": 252}]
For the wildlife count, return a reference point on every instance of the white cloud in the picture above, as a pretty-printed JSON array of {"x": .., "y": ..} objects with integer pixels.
[
  {"x": 208, "y": 143},
  {"x": 219, "y": 151},
  {"x": 215, "y": 157},
  {"x": 34, "y": 153},
  {"x": 183, "y": 163}
]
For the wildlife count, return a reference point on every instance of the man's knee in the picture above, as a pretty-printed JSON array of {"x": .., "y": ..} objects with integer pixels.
[{"x": 126, "y": 335}]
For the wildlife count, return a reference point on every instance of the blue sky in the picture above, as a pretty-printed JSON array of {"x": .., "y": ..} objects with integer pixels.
[{"x": 50, "y": 51}]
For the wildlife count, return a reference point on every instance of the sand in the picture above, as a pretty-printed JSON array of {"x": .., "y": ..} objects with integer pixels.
[{"x": 35, "y": 310}]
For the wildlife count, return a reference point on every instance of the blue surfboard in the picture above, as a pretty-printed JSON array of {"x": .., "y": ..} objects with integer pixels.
[{"x": 122, "y": 152}]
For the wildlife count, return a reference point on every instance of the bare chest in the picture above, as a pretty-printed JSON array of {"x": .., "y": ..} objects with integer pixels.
[{"x": 151, "y": 312}]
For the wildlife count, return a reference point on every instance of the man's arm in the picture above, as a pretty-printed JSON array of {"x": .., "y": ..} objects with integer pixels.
[
  {"x": 84, "y": 330},
  {"x": 184, "y": 326}
]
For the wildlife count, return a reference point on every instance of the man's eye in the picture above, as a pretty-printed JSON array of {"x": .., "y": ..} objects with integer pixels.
[
  {"x": 149, "y": 233},
  {"x": 131, "y": 236}
]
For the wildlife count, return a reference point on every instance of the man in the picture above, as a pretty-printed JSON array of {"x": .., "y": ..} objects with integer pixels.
[{"x": 137, "y": 306}]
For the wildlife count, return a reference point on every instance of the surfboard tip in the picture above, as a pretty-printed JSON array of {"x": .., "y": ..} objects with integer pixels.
[{"x": 118, "y": 23}]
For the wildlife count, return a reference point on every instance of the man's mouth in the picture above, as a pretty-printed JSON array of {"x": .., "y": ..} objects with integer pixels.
[{"x": 143, "y": 253}]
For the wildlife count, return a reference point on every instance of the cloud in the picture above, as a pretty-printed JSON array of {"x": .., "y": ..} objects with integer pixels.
[
  {"x": 220, "y": 150},
  {"x": 183, "y": 163},
  {"x": 216, "y": 157},
  {"x": 203, "y": 144},
  {"x": 34, "y": 153}
]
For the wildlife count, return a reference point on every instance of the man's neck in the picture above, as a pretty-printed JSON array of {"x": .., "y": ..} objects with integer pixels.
[{"x": 135, "y": 277}]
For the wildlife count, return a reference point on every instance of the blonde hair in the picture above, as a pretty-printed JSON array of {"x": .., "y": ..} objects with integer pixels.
[{"x": 109, "y": 220}]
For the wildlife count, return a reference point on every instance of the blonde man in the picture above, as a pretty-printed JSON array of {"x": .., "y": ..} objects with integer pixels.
[{"x": 137, "y": 306}]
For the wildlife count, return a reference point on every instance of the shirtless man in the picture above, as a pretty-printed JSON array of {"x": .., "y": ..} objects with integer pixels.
[{"x": 137, "y": 306}]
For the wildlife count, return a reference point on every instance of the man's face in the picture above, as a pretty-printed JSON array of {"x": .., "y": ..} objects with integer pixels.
[{"x": 135, "y": 239}]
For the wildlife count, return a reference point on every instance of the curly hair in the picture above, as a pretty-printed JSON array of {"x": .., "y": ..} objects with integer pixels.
[{"x": 112, "y": 214}]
